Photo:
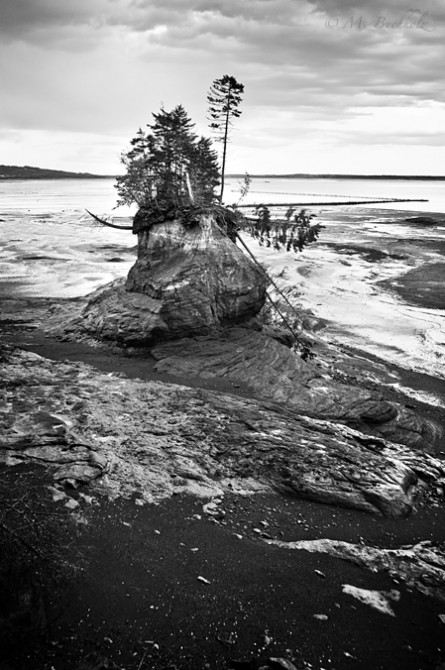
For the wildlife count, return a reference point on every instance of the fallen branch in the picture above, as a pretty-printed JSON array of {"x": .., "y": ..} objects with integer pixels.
[{"x": 107, "y": 223}]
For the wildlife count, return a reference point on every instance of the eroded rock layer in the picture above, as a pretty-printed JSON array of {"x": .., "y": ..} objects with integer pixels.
[
  {"x": 272, "y": 371},
  {"x": 130, "y": 437}
]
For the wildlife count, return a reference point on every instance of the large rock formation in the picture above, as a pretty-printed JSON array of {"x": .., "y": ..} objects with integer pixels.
[
  {"x": 150, "y": 440},
  {"x": 186, "y": 281}
]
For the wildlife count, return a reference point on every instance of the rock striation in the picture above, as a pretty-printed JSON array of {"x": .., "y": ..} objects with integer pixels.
[
  {"x": 186, "y": 281},
  {"x": 150, "y": 439},
  {"x": 272, "y": 371}
]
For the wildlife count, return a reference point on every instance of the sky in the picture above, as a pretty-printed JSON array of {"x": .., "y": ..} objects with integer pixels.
[{"x": 331, "y": 86}]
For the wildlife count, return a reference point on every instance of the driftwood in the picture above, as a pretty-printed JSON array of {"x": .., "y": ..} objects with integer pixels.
[{"x": 107, "y": 223}]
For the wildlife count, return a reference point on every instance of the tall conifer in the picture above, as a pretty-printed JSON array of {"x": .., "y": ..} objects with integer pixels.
[{"x": 224, "y": 98}]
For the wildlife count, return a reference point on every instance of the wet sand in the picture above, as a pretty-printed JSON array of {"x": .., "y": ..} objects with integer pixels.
[
  {"x": 167, "y": 586},
  {"x": 424, "y": 286},
  {"x": 353, "y": 278}
]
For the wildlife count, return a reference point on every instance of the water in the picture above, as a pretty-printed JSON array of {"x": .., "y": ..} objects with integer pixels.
[
  {"x": 39, "y": 196},
  {"x": 99, "y": 195},
  {"x": 341, "y": 190},
  {"x": 49, "y": 247}
]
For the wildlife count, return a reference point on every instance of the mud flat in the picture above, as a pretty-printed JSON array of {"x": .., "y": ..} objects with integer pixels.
[
  {"x": 423, "y": 286},
  {"x": 375, "y": 280}
]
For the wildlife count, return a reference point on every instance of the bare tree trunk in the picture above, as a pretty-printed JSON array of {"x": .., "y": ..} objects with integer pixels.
[{"x": 226, "y": 131}]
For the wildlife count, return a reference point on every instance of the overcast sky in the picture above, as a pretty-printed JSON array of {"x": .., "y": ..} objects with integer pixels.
[{"x": 330, "y": 85}]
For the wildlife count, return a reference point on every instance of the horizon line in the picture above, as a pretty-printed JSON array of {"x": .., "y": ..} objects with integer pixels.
[
  {"x": 237, "y": 175},
  {"x": 326, "y": 175}
]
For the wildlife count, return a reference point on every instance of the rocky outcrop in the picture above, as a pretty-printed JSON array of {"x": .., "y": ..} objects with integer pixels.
[
  {"x": 149, "y": 440},
  {"x": 420, "y": 566},
  {"x": 185, "y": 281},
  {"x": 113, "y": 313},
  {"x": 33, "y": 431},
  {"x": 272, "y": 371}
]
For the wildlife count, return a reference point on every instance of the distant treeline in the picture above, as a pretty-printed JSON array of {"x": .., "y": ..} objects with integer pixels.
[
  {"x": 301, "y": 175},
  {"x": 27, "y": 172}
]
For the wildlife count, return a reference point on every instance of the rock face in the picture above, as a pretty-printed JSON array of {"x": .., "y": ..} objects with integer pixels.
[
  {"x": 270, "y": 370},
  {"x": 185, "y": 281},
  {"x": 150, "y": 440}
]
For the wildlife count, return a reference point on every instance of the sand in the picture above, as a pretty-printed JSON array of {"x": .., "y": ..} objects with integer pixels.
[
  {"x": 351, "y": 279},
  {"x": 168, "y": 586}
]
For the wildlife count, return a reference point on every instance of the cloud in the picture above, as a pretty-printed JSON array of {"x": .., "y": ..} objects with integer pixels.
[{"x": 101, "y": 66}]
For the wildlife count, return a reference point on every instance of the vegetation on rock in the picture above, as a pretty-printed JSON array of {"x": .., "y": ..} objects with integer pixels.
[
  {"x": 291, "y": 234},
  {"x": 171, "y": 174},
  {"x": 168, "y": 166}
]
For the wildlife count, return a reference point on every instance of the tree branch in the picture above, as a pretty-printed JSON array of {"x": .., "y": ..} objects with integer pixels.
[{"x": 106, "y": 223}]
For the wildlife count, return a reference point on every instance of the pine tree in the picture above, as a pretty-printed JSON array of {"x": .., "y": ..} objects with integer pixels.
[
  {"x": 171, "y": 153},
  {"x": 159, "y": 161},
  {"x": 135, "y": 186},
  {"x": 204, "y": 174},
  {"x": 224, "y": 98}
]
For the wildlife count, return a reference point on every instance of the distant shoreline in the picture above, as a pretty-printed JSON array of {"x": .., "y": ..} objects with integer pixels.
[
  {"x": 17, "y": 173},
  {"x": 22, "y": 173}
]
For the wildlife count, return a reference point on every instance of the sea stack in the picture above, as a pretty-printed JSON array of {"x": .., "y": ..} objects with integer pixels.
[{"x": 189, "y": 279}]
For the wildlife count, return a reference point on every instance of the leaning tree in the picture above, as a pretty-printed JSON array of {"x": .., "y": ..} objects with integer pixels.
[{"x": 224, "y": 98}]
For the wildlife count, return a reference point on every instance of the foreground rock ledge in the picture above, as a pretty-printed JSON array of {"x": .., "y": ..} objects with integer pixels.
[
  {"x": 272, "y": 371},
  {"x": 129, "y": 437}
]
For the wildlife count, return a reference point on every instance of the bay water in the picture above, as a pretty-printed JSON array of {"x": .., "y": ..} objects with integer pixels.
[{"x": 39, "y": 196}]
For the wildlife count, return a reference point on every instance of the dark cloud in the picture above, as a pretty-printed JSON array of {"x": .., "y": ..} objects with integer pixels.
[
  {"x": 103, "y": 65},
  {"x": 21, "y": 17}
]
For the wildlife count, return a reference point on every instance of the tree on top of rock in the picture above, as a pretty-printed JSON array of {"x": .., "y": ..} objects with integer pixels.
[
  {"x": 169, "y": 165},
  {"x": 224, "y": 98}
]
